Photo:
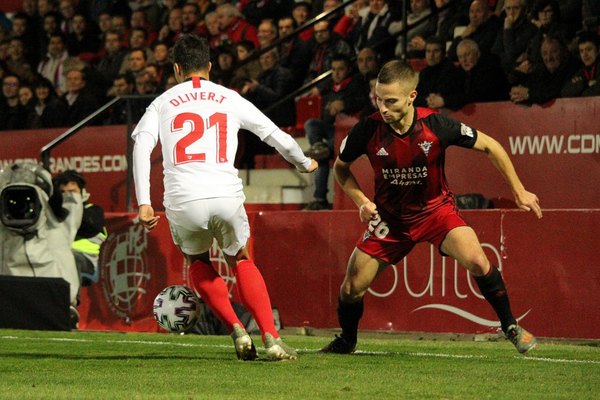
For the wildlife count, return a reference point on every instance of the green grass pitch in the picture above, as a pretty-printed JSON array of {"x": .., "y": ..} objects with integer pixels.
[{"x": 109, "y": 365}]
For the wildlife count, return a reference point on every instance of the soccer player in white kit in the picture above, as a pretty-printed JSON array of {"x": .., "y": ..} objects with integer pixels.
[{"x": 197, "y": 123}]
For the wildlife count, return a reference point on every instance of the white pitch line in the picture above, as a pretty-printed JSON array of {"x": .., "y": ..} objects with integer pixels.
[
  {"x": 306, "y": 351},
  {"x": 558, "y": 360}
]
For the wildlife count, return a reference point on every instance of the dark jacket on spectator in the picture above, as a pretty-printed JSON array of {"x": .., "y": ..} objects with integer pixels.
[
  {"x": 12, "y": 118},
  {"x": 484, "y": 36},
  {"x": 585, "y": 82},
  {"x": 486, "y": 81},
  {"x": 511, "y": 43},
  {"x": 84, "y": 105},
  {"x": 545, "y": 86},
  {"x": 350, "y": 91},
  {"x": 52, "y": 115},
  {"x": 274, "y": 84},
  {"x": 444, "y": 78},
  {"x": 295, "y": 55}
]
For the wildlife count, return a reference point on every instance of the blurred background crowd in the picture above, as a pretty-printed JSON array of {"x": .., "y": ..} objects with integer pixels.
[{"x": 62, "y": 59}]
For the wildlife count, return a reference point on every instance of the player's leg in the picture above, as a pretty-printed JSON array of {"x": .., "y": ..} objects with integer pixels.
[
  {"x": 190, "y": 232},
  {"x": 232, "y": 231},
  {"x": 462, "y": 244},
  {"x": 361, "y": 271}
]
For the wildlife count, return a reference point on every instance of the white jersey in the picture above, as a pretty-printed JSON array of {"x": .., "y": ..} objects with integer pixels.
[{"x": 197, "y": 123}]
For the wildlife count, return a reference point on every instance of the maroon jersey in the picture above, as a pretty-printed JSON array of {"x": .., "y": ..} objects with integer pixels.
[{"x": 409, "y": 168}]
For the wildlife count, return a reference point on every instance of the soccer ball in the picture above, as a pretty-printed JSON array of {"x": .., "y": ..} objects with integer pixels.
[{"x": 176, "y": 308}]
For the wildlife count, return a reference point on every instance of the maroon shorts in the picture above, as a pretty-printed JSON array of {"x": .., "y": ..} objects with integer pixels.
[{"x": 392, "y": 240}]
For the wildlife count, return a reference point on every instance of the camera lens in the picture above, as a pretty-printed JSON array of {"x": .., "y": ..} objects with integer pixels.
[{"x": 21, "y": 207}]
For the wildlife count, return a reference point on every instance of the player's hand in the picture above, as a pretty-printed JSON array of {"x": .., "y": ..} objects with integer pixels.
[
  {"x": 529, "y": 202},
  {"x": 313, "y": 166},
  {"x": 367, "y": 211},
  {"x": 147, "y": 217}
]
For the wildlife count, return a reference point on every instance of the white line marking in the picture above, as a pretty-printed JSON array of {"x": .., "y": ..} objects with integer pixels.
[{"x": 306, "y": 351}]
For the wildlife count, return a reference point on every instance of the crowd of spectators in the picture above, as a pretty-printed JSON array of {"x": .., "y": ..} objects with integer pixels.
[{"x": 61, "y": 59}]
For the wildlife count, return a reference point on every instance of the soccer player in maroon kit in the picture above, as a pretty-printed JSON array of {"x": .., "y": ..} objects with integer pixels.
[{"x": 406, "y": 148}]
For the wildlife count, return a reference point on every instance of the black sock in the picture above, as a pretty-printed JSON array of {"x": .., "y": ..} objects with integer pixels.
[
  {"x": 492, "y": 288},
  {"x": 349, "y": 314}
]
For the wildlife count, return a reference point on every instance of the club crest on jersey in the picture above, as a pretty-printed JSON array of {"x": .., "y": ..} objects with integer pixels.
[
  {"x": 465, "y": 130},
  {"x": 425, "y": 146}
]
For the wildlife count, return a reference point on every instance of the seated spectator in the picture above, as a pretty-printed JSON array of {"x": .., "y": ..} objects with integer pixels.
[
  {"x": 256, "y": 11},
  {"x": 138, "y": 40},
  {"x": 300, "y": 12},
  {"x": 135, "y": 62},
  {"x": 324, "y": 45},
  {"x": 49, "y": 109},
  {"x": 343, "y": 93},
  {"x": 483, "y": 79},
  {"x": 351, "y": 18},
  {"x": 170, "y": 31},
  {"x": 512, "y": 42},
  {"x": 51, "y": 66},
  {"x": 28, "y": 34},
  {"x": 160, "y": 50},
  {"x": 272, "y": 85},
  {"x": 545, "y": 15},
  {"x": 585, "y": 81},
  {"x": 452, "y": 16},
  {"x": 371, "y": 106},
  {"x": 26, "y": 97},
  {"x": 234, "y": 28},
  {"x": 83, "y": 41},
  {"x": 110, "y": 63},
  {"x": 373, "y": 29},
  {"x": 590, "y": 16},
  {"x": 547, "y": 78},
  {"x": 190, "y": 18},
  {"x": 222, "y": 71},
  {"x": 294, "y": 53},
  {"x": 124, "y": 85},
  {"x": 50, "y": 23},
  {"x": 266, "y": 33},
  {"x": 17, "y": 63},
  {"x": 139, "y": 20},
  {"x": 440, "y": 77},
  {"x": 415, "y": 48},
  {"x": 81, "y": 102},
  {"x": 248, "y": 71},
  {"x": 367, "y": 62},
  {"x": 67, "y": 11},
  {"x": 213, "y": 33},
  {"x": 12, "y": 113},
  {"x": 483, "y": 29}
]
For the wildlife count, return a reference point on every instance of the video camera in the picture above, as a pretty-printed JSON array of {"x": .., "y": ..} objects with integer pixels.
[{"x": 25, "y": 189}]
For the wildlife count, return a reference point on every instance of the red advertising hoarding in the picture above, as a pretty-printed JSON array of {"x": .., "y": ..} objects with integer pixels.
[{"x": 550, "y": 267}]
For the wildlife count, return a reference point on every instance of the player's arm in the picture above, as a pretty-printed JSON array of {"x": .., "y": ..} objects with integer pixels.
[
  {"x": 145, "y": 141},
  {"x": 291, "y": 151},
  {"x": 347, "y": 181},
  {"x": 499, "y": 157}
]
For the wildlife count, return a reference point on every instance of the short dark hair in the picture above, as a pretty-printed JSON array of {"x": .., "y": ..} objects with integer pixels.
[
  {"x": 70, "y": 175},
  {"x": 191, "y": 53},
  {"x": 397, "y": 71},
  {"x": 437, "y": 41},
  {"x": 588, "y": 36}
]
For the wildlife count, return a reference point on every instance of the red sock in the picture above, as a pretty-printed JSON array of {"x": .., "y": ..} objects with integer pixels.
[
  {"x": 213, "y": 290},
  {"x": 254, "y": 296}
]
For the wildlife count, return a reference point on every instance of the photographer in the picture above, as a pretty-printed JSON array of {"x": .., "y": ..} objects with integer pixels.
[
  {"x": 91, "y": 233},
  {"x": 38, "y": 226}
]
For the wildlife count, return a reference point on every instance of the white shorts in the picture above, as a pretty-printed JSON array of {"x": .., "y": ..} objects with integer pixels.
[{"x": 195, "y": 224}]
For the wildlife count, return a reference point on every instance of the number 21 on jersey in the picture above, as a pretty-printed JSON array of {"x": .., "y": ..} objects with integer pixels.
[{"x": 218, "y": 120}]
